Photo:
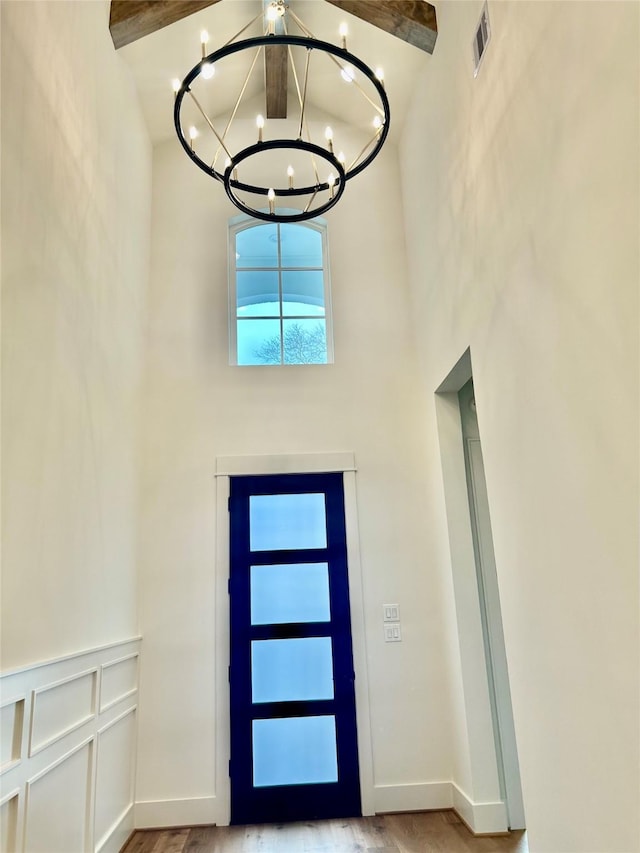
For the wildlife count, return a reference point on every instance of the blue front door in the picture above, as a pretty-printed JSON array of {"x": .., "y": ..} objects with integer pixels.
[{"x": 294, "y": 753}]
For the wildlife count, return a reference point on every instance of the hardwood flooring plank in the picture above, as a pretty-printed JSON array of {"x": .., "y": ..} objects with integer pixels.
[
  {"x": 201, "y": 839},
  {"x": 172, "y": 841},
  {"x": 143, "y": 841},
  {"x": 420, "y": 832}
]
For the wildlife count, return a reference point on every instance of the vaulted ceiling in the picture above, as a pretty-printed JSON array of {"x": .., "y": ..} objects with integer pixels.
[
  {"x": 413, "y": 21},
  {"x": 159, "y": 40}
]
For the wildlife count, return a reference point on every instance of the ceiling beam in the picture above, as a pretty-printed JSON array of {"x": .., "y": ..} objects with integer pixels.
[
  {"x": 130, "y": 20},
  {"x": 275, "y": 75},
  {"x": 276, "y": 60},
  {"x": 413, "y": 21}
]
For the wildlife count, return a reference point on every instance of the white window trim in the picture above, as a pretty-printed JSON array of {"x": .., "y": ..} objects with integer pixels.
[
  {"x": 242, "y": 222},
  {"x": 304, "y": 463}
]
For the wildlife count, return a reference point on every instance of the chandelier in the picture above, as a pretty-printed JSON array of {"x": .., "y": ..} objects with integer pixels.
[{"x": 289, "y": 168}]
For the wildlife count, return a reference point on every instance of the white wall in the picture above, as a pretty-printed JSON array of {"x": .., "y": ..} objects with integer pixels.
[
  {"x": 76, "y": 185},
  {"x": 76, "y": 173},
  {"x": 521, "y": 212},
  {"x": 197, "y": 407}
]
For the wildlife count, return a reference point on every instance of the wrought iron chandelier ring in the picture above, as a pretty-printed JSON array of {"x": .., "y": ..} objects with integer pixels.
[
  {"x": 335, "y": 183},
  {"x": 292, "y": 41},
  {"x": 231, "y": 185}
]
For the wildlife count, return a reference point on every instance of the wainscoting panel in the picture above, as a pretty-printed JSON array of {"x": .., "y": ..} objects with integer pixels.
[
  {"x": 60, "y": 708},
  {"x": 65, "y": 827},
  {"x": 67, "y": 752},
  {"x": 11, "y": 728},
  {"x": 9, "y": 820},
  {"x": 119, "y": 681},
  {"x": 114, "y": 779}
]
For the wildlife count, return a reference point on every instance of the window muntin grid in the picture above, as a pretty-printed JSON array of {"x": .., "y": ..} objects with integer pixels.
[{"x": 279, "y": 294}]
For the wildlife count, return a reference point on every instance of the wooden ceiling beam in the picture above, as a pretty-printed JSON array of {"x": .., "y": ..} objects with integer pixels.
[
  {"x": 276, "y": 60},
  {"x": 275, "y": 75},
  {"x": 130, "y": 20},
  {"x": 413, "y": 21}
]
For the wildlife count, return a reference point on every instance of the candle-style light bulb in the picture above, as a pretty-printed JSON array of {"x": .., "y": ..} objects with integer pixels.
[
  {"x": 290, "y": 173},
  {"x": 272, "y": 14},
  {"x": 208, "y": 70},
  {"x": 377, "y": 122},
  {"x": 259, "y": 125},
  {"x": 331, "y": 181},
  {"x": 342, "y": 159},
  {"x": 227, "y": 163},
  {"x": 193, "y": 134},
  {"x": 380, "y": 76},
  {"x": 176, "y": 85},
  {"x": 328, "y": 135},
  {"x": 204, "y": 40},
  {"x": 344, "y": 30},
  {"x": 272, "y": 198},
  {"x": 348, "y": 74}
]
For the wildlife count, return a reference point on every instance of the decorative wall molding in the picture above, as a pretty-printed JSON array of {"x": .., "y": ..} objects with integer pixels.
[
  {"x": 294, "y": 463},
  {"x": 120, "y": 831},
  {"x": 20, "y": 670},
  {"x": 51, "y": 711},
  {"x": 60, "y": 788},
  {"x": 9, "y": 805},
  {"x": 11, "y": 729},
  {"x": 73, "y": 807},
  {"x": 114, "y": 675}
]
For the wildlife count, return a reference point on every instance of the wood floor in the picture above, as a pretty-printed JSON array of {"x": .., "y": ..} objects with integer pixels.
[{"x": 424, "y": 832}]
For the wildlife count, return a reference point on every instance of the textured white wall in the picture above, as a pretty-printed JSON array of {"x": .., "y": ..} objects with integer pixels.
[
  {"x": 197, "y": 407},
  {"x": 521, "y": 211},
  {"x": 76, "y": 173}
]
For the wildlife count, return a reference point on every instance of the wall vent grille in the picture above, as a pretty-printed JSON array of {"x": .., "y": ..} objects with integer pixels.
[{"x": 481, "y": 40}]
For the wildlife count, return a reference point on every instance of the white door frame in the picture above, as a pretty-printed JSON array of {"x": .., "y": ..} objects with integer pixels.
[
  {"x": 485, "y": 807},
  {"x": 306, "y": 463}
]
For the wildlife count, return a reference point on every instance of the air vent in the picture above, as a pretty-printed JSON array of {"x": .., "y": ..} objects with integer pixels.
[{"x": 481, "y": 40}]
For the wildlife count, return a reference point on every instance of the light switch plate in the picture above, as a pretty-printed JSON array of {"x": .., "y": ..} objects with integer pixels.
[
  {"x": 391, "y": 612},
  {"x": 392, "y": 632}
]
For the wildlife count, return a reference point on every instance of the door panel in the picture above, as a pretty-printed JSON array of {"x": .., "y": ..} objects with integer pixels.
[{"x": 294, "y": 752}]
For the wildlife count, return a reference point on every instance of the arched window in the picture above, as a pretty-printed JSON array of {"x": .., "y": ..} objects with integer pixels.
[{"x": 279, "y": 293}]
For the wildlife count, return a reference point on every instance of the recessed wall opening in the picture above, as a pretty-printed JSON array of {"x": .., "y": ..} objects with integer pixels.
[{"x": 495, "y": 773}]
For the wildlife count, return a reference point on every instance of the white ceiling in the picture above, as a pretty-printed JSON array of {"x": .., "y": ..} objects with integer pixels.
[{"x": 171, "y": 52}]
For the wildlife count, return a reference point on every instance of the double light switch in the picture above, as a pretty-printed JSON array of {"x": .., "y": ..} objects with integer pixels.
[{"x": 391, "y": 617}]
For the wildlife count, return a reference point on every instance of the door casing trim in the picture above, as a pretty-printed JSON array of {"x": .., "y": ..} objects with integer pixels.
[{"x": 305, "y": 463}]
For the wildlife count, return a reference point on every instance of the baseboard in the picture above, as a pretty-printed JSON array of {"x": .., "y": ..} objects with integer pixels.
[
  {"x": 116, "y": 838},
  {"x": 160, "y": 814},
  {"x": 414, "y": 797},
  {"x": 481, "y": 818}
]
